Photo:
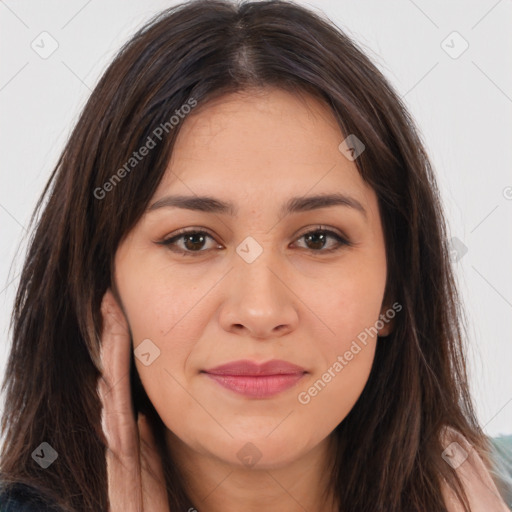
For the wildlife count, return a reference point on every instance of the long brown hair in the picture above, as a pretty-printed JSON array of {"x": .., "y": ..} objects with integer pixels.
[{"x": 388, "y": 451}]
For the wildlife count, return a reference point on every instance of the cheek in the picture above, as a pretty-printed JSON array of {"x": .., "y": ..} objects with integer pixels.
[
  {"x": 157, "y": 300},
  {"x": 347, "y": 301},
  {"x": 163, "y": 307},
  {"x": 349, "y": 306},
  {"x": 331, "y": 395},
  {"x": 163, "y": 324},
  {"x": 346, "y": 352}
]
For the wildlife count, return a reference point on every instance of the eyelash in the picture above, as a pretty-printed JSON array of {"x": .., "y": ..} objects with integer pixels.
[{"x": 168, "y": 242}]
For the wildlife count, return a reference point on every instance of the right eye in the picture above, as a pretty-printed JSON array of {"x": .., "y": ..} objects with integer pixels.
[{"x": 189, "y": 242}]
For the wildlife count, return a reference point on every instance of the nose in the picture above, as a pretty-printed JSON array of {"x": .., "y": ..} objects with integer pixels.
[{"x": 260, "y": 301}]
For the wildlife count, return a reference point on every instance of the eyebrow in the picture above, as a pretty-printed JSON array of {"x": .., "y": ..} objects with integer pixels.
[{"x": 294, "y": 205}]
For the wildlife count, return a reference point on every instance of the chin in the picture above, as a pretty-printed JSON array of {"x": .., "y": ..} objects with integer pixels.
[{"x": 261, "y": 452}]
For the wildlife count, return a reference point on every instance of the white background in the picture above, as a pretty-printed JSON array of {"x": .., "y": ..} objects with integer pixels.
[{"x": 463, "y": 108}]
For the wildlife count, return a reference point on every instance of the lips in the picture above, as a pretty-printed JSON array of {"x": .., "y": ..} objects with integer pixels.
[
  {"x": 257, "y": 380},
  {"x": 246, "y": 367}
]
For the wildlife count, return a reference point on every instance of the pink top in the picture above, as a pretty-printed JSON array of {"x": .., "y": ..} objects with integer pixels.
[{"x": 480, "y": 488}]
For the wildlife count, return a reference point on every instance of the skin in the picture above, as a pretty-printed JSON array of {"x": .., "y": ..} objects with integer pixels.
[{"x": 294, "y": 302}]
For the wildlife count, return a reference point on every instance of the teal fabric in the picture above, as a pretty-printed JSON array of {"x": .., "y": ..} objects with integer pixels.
[{"x": 502, "y": 459}]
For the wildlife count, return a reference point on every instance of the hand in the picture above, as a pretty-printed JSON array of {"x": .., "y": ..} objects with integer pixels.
[{"x": 136, "y": 479}]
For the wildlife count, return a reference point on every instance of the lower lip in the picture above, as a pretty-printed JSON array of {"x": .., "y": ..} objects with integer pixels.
[{"x": 261, "y": 386}]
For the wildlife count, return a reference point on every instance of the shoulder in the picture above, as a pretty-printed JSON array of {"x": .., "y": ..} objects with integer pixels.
[
  {"x": 19, "y": 497},
  {"x": 478, "y": 483}
]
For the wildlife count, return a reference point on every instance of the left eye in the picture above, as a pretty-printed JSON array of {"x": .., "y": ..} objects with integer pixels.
[
  {"x": 319, "y": 237},
  {"x": 192, "y": 242}
]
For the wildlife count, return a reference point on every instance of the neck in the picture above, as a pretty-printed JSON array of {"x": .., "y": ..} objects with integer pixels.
[{"x": 214, "y": 485}]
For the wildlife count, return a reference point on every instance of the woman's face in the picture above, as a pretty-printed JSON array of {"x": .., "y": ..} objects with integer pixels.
[{"x": 253, "y": 284}]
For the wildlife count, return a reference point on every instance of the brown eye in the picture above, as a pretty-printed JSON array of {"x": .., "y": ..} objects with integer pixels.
[
  {"x": 194, "y": 241},
  {"x": 318, "y": 240},
  {"x": 191, "y": 242}
]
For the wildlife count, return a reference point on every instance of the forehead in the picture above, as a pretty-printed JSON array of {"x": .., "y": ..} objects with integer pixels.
[
  {"x": 266, "y": 124},
  {"x": 261, "y": 143}
]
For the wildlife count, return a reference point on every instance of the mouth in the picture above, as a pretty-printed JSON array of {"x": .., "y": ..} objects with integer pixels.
[{"x": 255, "y": 380}]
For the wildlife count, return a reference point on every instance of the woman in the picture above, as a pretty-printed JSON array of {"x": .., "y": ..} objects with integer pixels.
[{"x": 239, "y": 295}]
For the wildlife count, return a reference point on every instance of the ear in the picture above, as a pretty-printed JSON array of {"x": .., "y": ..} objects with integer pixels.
[{"x": 386, "y": 322}]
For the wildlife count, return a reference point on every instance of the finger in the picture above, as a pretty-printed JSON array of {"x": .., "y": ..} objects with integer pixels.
[
  {"x": 124, "y": 483},
  {"x": 115, "y": 340},
  {"x": 154, "y": 491},
  {"x": 118, "y": 420}
]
